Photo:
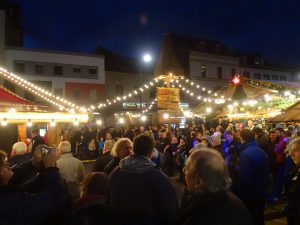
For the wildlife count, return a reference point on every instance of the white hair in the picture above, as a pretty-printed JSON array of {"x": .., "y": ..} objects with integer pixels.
[
  {"x": 19, "y": 148},
  {"x": 64, "y": 147}
]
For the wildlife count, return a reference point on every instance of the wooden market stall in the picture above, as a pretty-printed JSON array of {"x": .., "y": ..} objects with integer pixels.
[
  {"x": 19, "y": 115},
  {"x": 245, "y": 98}
]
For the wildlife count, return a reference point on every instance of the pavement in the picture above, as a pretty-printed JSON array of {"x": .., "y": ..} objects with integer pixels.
[{"x": 274, "y": 214}]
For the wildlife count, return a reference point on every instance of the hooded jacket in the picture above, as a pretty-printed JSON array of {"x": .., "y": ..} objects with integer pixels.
[
  {"x": 253, "y": 172},
  {"x": 142, "y": 194}
]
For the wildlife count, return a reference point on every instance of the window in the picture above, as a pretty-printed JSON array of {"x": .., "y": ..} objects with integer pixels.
[
  {"x": 256, "y": 60},
  {"x": 58, "y": 92},
  {"x": 119, "y": 90},
  {"x": 92, "y": 71},
  {"x": 203, "y": 71},
  {"x": 233, "y": 72},
  {"x": 257, "y": 76},
  {"x": 58, "y": 70},
  {"x": 274, "y": 77},
  {"x": 38, "y": 69},
  {"x": 76, "y": 70},
  {"x": 76, "y": 95},
  {"x": 246, "y": 74},
  {"x": 220, "y": 72},
  {"x": 19, "y": 67},
  {"x": 282, "y": 78},
  {"x": 266, "y": 77}
]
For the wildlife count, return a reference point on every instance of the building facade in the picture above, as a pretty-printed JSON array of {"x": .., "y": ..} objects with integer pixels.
[
  {"x": 212, "y": 65},
  {"x": 78, "y": 77}
]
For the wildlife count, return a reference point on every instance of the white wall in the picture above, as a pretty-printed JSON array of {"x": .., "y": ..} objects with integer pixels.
[
  {"x": 19, "y": 54},
  {"x": 227, "y": 63}
]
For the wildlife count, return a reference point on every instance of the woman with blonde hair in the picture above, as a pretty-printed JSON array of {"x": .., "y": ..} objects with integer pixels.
[{"x": 122, "y": 148}]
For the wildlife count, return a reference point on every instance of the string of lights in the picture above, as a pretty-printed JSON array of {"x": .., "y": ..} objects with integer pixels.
[
  {"x": 149, "y": 107},
  {"x": 61, "y": 103},
  {"x": 141, "y": 89}
]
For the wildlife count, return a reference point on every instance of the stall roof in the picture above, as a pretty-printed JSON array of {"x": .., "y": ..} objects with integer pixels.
[
  {"x": 290, "y": 114},
  {"x": 8, "y": 97}
]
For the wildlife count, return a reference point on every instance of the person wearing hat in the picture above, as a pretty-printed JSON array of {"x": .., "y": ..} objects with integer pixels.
[{"x": 70, "y": 168}]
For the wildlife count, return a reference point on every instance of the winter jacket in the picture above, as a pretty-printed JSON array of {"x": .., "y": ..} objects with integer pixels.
[
  {"x": 71, "y": 169},
  {"x": 18, "y": 159},
  {"x": 214, "y": 209},
  {"x": 20, "y": 207},
  {"x": 253, "y": 172},
  {"x": 142, "y": 194}
]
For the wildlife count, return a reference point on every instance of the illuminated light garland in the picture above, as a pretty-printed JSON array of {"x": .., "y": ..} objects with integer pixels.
[
  {"x": 149, "y": 107},
  {"x": 35, "y": 89},
  {"x": 202, "y": 98},
  {"x": 141, "y": 89}
]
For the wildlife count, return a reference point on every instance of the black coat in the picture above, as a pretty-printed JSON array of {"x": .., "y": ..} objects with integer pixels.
[
  {"x": 214, "y": 209},
  {"x": 111, "y": 165},
  {"x": 102, "y": 162},
  {"x": 23, "y": 172},
  {"x": 293, "y": 215},
  {"x": 20, "y": 207}
]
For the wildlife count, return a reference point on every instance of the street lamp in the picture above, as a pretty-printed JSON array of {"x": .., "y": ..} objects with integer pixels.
[{"x": 147, "y": 58}]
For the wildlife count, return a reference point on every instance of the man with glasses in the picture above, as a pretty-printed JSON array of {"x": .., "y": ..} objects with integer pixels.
[{"x": 293, "y": 192}]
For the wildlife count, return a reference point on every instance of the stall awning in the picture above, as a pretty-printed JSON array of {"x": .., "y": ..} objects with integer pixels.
[{"x": 8, "y": 97}]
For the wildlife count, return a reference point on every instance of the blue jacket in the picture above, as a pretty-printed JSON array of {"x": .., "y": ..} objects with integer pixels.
[
  {"x": 253, "y": 172},
  {"x": 142, "y": 194}
]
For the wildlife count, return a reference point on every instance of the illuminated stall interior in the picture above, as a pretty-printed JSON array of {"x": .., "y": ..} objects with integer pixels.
[{"x": 18, "y": 115}]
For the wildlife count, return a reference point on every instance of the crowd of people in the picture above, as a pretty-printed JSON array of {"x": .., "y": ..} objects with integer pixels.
[{"x": 229, "y": 170}]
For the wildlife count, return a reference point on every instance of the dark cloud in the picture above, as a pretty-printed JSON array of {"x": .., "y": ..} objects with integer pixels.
[{"x": 271, "y": 28}]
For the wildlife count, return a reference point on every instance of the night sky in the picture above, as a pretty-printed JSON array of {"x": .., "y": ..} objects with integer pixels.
[{"x": 131, "y": 27}]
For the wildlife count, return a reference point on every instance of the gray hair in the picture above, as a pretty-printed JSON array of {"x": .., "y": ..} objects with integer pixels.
[
  {"x": 294, "y": 142},
  {"x": 118, "y": 147},
  {"x": 209, "y": 166}
]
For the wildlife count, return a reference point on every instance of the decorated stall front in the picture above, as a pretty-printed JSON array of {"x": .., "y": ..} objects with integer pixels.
[
  {"x": 18, "y": 115},
  {"x": 246, "y": 98}
]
